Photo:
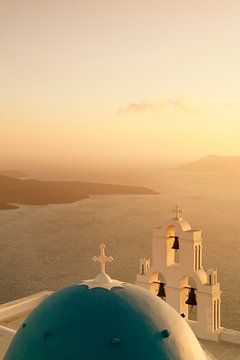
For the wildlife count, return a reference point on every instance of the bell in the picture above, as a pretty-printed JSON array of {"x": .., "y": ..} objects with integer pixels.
[
  {"x": 191, "y": 298},
  {"x": 161, "y": 291},
  {"x": 176, "y": 243}
]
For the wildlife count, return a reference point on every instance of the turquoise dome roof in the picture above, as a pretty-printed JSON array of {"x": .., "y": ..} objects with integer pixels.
[{"x": 121, "y": 323}]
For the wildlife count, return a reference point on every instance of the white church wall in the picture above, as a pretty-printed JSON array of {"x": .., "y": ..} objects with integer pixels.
[{"x": 180, "y": 273}]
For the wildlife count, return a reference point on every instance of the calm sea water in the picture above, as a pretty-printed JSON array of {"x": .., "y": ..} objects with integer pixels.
[{"x": 48, "y": 247}]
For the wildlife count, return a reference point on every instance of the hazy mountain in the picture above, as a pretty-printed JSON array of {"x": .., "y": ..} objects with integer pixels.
[
  {"x": 13, "y": 173},
  {"x": 213, "y": 163},
  {"x": 35, "y": 192}
]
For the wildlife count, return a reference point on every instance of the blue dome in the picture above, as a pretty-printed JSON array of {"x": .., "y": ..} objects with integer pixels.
[{"x": 123, "y": 323}]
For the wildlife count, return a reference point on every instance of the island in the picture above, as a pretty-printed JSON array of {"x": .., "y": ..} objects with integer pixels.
[
  {"x": 35, "y": 192},
  {"x": 13, "y": 173},
  {"x": 213, "y": 163},
  {"x": 8, "y": 207}
]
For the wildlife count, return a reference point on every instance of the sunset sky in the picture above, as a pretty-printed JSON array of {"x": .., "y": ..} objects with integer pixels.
[{"x": 108, "y": 81}]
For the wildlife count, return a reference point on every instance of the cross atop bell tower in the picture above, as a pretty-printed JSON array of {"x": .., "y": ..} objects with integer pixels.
[{"x": 178, "y": 212}]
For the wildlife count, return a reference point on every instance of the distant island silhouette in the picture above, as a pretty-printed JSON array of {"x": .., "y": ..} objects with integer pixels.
[
  {"x": 213, "y": 163},
  {"x": 36, "y": 192},
  {"x": 13, "y": 173}
]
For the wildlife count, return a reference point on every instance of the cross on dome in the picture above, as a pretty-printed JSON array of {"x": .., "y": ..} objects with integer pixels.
[
  {"x": 102, "y": 258},
  {"x": 178, "y": 212},
  {"x": 102, "y": 280}
]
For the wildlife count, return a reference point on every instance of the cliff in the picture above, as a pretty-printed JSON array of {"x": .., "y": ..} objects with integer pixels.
[
  {"x": 213, "y": 163},
  {"x": 35, "y": 192}
]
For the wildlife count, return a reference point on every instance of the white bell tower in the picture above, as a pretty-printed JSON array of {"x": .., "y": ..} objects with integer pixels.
[{"x": 177, "y": 265}]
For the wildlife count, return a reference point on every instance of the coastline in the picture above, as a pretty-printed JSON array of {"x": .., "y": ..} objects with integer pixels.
[{"x": 9, "y": 207}]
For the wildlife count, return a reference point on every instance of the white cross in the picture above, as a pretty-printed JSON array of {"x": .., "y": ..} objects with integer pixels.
[
  {"x": 178, "y": 212},
  {"x": 102, "y": 258}
]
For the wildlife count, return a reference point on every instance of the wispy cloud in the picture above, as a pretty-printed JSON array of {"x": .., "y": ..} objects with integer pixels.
[
  {"x": 182, "y": 104},
  {"x": 140, "y": 107},
  {"x": 178, "y": 104}
]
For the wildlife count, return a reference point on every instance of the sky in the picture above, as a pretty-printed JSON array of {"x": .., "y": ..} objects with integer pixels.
[{"x": 118, "y": 83}]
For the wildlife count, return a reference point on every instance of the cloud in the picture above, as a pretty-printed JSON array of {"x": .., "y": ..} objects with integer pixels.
[
  {"x": 178, "y": 104},
  {"x": 141, "y": 107},
  {"x": 182, "y": 104}
]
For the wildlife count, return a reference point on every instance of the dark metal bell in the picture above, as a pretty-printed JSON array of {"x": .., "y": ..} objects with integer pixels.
[
  {"x": 176, "y": 243},
  {"x": 191, "y": 297},
  {"x": 161, "y": 290}
]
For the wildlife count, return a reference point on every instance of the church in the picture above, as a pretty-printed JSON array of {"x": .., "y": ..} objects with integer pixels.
[{"x": 106, "y": 319}]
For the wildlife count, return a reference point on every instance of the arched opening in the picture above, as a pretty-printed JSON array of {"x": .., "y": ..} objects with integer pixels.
[
  {"x": 195, "y": 258},
  {"x": 156, "y": 280},
  {"x": 188, "y": 292},
  {"x": 172, "y": 244},
  {"x": 216, "y": 314},
  {"x": 199, "y": 257}
]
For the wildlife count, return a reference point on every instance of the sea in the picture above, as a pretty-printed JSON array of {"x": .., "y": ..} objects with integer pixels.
[{"x": 49, "y": 247}]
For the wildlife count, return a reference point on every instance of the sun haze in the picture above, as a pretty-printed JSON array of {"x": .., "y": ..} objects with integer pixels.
[{"x": 100, "y": 82}]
